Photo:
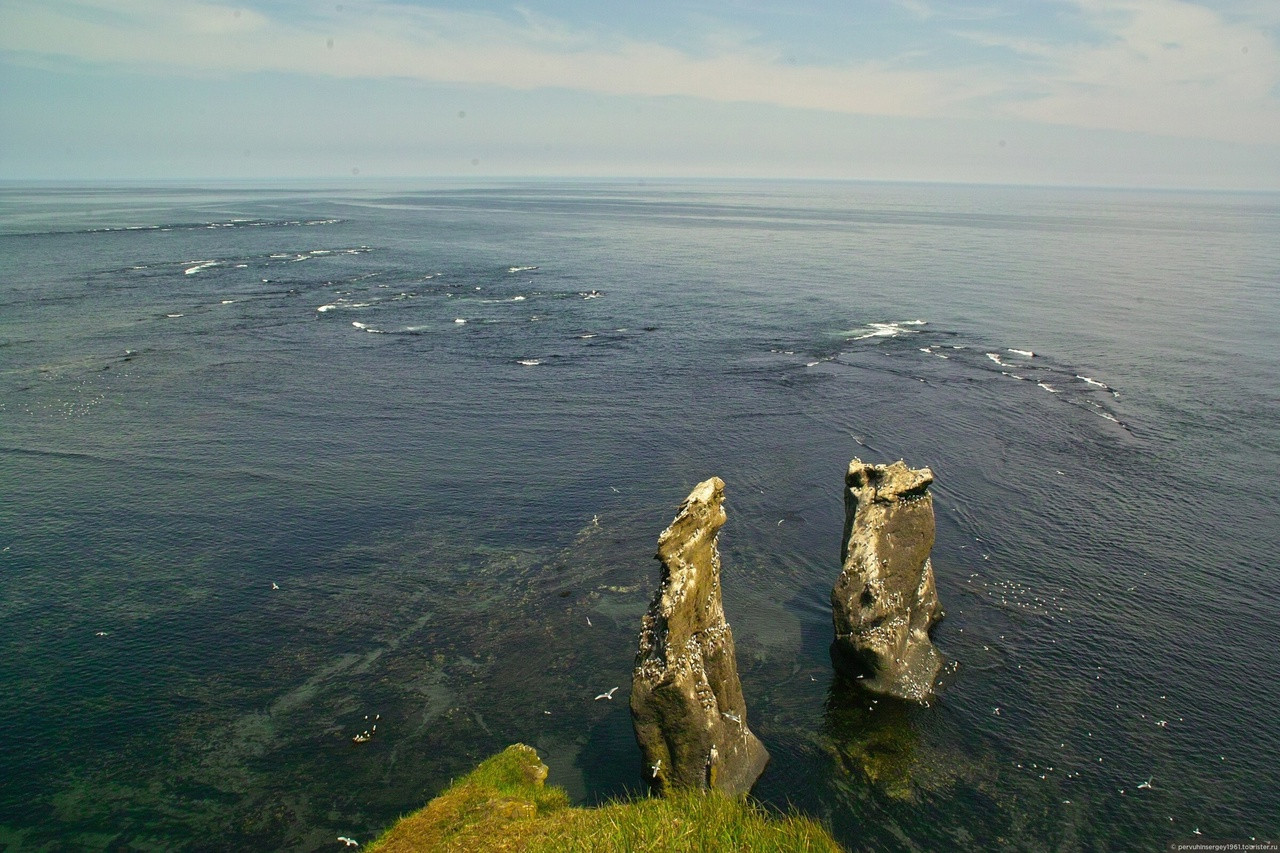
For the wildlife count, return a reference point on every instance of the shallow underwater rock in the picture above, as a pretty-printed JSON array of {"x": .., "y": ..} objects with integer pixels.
[
  {"x": 686, "y": 700},
  {"x": 884, "y": 603}
]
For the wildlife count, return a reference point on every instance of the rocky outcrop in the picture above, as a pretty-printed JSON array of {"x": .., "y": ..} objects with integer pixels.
[
  {"x": 885, "y": 602},
  {"x": 686, "y": 699},
  {"x": 504, "y": 805}
]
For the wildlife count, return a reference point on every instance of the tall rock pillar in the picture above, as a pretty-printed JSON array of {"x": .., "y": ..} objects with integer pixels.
[
  {"x": 686, "y": 699},
  {"x": 884, "y": 603}
]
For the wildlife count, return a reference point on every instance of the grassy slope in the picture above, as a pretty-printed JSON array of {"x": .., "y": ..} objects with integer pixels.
[{"x": 503, "y": 805}]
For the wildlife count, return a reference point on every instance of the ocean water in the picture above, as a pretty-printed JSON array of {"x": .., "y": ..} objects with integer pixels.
[{"x": 280, "y": 465}]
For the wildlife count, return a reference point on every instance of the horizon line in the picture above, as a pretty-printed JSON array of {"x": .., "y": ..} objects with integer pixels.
[{"x": 354, "y": 180}]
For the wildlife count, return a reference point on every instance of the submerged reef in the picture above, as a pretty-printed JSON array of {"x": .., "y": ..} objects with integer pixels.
[
  {"x": 686, "y": 699},
  {"x": 884, "y": 602}
]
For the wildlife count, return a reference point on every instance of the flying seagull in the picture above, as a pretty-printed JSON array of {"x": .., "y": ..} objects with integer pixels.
[{"x": 607, "y": 694}]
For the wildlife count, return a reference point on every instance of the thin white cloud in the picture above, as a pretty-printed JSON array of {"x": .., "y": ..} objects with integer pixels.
[
  {"x": 917, "y": 9},
  {"x": 395, "y": 41},
  {"x": 1159, "y": 66},
  {"x": 1156, "y": 66}
]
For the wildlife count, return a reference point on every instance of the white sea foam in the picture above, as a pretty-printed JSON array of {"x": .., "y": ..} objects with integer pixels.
[
  {"x": 520, "y": 269},
  {"x": 1046, "y": 386},
  {"x": 1093, "y": 382},
  {"x": 996, "y": 358},
  {"x": 460, "y": 321},
  {"x": 324, "y": 308},
  {"x": 203, "y": 265},
  {"x": 529, "y": 362},
  {"x": 593, "y": 294},
  {"x": 518, "y": 298},
  {"x": 1013, "y": 376},
  {"x": 228, "y": 302},
  {"x": 172, "y": 316},
  {"x": 358, "y": 324},
  {"x": 585, "y": 337},
  {"x": 1028, "y": 353},
  {"x": 886, "y": 330},
  {"x": 812, "y": 363}
]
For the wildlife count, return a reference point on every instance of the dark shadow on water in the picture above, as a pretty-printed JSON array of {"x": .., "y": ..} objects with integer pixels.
[{"x": 610, "y": 761}]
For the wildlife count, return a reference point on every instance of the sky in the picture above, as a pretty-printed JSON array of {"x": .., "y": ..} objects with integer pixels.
[{"x": 1146, "y": 93}]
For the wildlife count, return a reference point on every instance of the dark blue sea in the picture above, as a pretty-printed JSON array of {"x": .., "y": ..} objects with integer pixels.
[{"x": 279, "y": 464}]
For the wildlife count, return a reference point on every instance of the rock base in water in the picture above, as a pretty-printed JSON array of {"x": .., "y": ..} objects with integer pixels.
[
  {"x": 686, "y": 700},
  {"x": 884, "y": 603}
]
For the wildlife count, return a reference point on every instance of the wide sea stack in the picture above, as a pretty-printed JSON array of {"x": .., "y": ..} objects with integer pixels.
[
  {"x": 686, "y": 700},
  {"x": 884, "y": 603}
]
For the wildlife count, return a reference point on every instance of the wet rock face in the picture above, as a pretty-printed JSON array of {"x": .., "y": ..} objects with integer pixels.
[
  {"x": 686, "y": 700},
  {"x": 884, "y": 603}
]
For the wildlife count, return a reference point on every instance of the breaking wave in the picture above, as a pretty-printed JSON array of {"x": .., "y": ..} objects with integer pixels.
[{"x": 885, "y": 330}]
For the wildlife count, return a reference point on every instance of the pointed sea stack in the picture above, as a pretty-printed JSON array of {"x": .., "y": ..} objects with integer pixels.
[
  {"x": 884, "y": 603},
  {"x": 686, "y": 699}
]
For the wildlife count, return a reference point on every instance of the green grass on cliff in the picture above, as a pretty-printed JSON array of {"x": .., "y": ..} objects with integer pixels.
[{"x": 503, "y": 805}]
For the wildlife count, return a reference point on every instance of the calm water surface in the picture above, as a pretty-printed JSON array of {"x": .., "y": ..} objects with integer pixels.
[{"x": 278, "y": 465}]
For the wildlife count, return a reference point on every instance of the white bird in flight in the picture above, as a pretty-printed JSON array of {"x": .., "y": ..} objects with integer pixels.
[{"x": 607, "y": 694}]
